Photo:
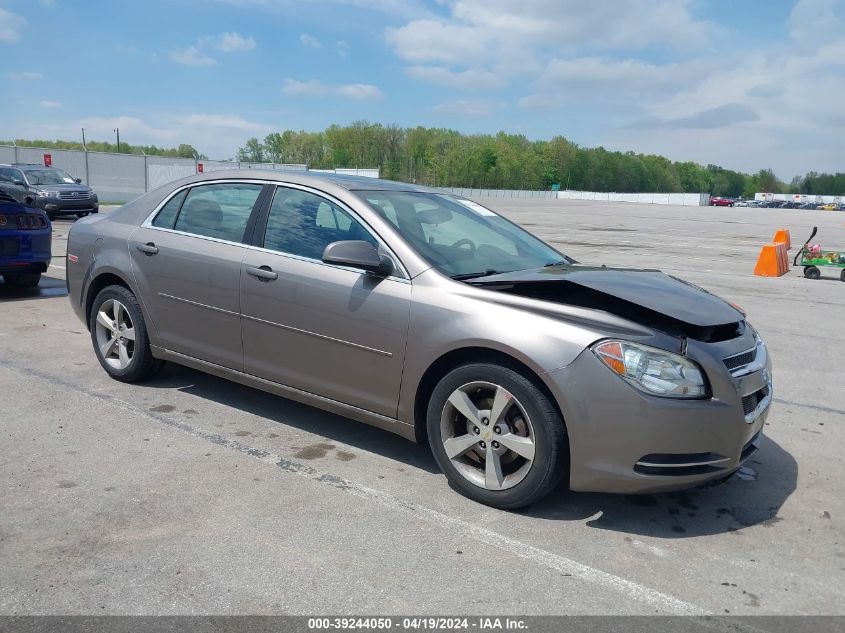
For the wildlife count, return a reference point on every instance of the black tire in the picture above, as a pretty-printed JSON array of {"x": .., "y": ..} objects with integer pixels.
[
  {"x": 22, "y": 280},
  {"x": 811, "y": 272},
  {"x": 82, "y": 214},
  {"x": 842, "y": 275},
  {"x": 142, "y": 365},
  {"x": 551, "y": 458}
]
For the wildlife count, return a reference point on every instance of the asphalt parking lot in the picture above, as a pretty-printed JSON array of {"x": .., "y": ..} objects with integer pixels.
[{"x": 190, "y": 494}]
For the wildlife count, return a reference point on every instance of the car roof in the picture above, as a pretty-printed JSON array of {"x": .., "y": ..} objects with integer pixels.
[
  {"x": 27, "y": 165},
  {"x": 344, "y": 181}
]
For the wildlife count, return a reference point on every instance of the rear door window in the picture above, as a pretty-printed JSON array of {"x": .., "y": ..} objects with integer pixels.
[{"x": 219, "y": 211}]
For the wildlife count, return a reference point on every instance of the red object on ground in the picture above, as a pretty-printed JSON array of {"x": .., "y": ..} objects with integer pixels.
[
  {"x": 48, "y": 160},
  {"x": 199, "y": 168}
]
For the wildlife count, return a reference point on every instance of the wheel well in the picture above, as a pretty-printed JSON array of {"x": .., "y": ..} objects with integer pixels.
[
  {"x": 29, "y": 200},
  {"x": 100, "y": 282},
  {"x": 464, "y": 356}
]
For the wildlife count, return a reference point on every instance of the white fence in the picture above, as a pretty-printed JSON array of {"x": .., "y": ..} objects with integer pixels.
[
  {"x": 685, "y": 199},
  {"x": 121, "y": 177},
  {"x": 467, "y": 192}
]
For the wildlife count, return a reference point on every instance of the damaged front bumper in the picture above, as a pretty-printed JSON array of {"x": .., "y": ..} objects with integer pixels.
[{"x": 625, "y": 441}]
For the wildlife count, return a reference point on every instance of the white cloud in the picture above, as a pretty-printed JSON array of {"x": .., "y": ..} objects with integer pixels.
[
  {"x": 359, "y": 91},
  {"x": 304, "y": 88},
  {"x": 225, "y": 43},
  {"x": 50, "y": 104},
  {"x": 466, "y": 79},
  {"x": 309, "y": 40},
  {"x": 814, "y": 20},
  {"x": 10, "y": 26},
  {"x": 216, "y": 134},
  {"x": 510, "y": 39},
  {"x": 191, "y": 56},
  {"x": 464, "y": 107},
  {"x": 315, "y": 88},
  {"x": 230, "y": 121},
  {"x": 233, "y": 43},
  {"x": 25, "y": 75}
]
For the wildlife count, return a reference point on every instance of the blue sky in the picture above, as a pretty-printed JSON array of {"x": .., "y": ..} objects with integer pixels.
[{"x": 745, "y": 84}]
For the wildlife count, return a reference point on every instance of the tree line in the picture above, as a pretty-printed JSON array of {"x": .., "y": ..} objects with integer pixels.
[
  {"x": 447, "y": 158},
  {"x": 182, "y": 151}
]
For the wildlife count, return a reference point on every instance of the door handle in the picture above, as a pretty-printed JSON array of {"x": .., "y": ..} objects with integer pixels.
[
  {"x": 148, "y": 249},
  {"x": 262, "y": 272}
]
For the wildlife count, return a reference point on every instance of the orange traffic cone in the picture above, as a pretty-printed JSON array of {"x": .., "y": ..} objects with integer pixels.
[
  {"x": 782, "y": 236},
  {"x": 773, "y": 261}
]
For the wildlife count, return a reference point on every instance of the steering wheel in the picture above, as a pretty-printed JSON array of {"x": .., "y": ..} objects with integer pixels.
[{"x": 465, "y": 241}]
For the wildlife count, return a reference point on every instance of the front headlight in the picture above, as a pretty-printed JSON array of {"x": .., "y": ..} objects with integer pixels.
[
  {"x": 43, "y": 194},
  {"x": 653, "y": 371}
]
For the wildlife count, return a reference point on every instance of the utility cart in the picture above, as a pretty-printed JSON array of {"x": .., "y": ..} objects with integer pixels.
[{"x": 812, "y": 256}]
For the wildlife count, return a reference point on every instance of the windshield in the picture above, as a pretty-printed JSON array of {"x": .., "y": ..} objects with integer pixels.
[
  {"x": 48, "y": 177},
  {"x": 460, "y": 238}
]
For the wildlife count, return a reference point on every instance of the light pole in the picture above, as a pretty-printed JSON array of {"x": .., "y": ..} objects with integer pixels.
[
  {"x": 117, "y": 131},
  {"x": 83, "y": 140}
]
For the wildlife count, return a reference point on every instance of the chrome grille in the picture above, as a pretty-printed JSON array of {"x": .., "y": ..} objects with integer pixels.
[
  {"x": 750, "y": 402},
  {"x": 74, "y": 195},
  {"x": 740, "y": 360}
]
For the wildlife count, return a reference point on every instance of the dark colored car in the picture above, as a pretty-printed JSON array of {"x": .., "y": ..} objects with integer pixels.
[
  {"x": 25, "y": 235},
  {"x": 430, "y": 316},
  {"x": 48, "y": 188}
]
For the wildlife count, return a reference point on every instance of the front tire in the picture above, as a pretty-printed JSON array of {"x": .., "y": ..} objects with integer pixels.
[
  {"x": 119, "y": 336},
  {"x": 22, "y": 280},
  {"x": 811, "y": 272},
  {"x": 496, "y": 436}
]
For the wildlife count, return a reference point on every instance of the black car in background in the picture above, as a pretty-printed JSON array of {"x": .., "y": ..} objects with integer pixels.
[{"x": 48, "y": 188}]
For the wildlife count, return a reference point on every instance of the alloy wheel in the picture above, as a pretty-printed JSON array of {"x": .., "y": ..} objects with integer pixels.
[
  {"x": 115, "y": 334},
  {"x": 487, "y": 435}
]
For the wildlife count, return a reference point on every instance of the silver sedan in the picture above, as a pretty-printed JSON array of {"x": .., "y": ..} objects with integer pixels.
[{"x": 430, "y": 316}]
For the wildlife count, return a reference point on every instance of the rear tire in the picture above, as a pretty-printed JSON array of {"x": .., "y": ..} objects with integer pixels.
[
  {"x": 842, "y": 275},
  {"x": 811, "y": 272},
  {"x": 490, "y": 472},
  {"x": 119, "y": 335},
  {"x": 22, "y": 280}
]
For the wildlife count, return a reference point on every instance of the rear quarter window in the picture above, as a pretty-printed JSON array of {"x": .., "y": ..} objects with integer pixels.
[{"x": 166, "y": 218}]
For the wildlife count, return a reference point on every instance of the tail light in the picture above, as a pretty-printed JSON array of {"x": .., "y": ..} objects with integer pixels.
[{"x": 31, "y": 222}]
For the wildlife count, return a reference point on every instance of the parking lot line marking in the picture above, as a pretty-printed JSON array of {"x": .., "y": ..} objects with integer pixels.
[
  {"x": 663, "y": 602},
  {"x": 54, "y": 266}
]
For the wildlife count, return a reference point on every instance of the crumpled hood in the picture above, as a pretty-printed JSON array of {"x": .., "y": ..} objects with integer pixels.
[{"x": 591, "y": 286}]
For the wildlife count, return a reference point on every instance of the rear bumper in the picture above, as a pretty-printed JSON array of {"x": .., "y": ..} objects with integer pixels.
[
  {"x": 624, "y": 441},
  {"x": 25, "y": 251}
]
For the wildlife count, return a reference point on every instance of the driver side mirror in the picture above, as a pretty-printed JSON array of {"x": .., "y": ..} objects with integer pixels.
[
  {"x": 18, "y": 181},
  {"x": 358, "y": 254}
]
